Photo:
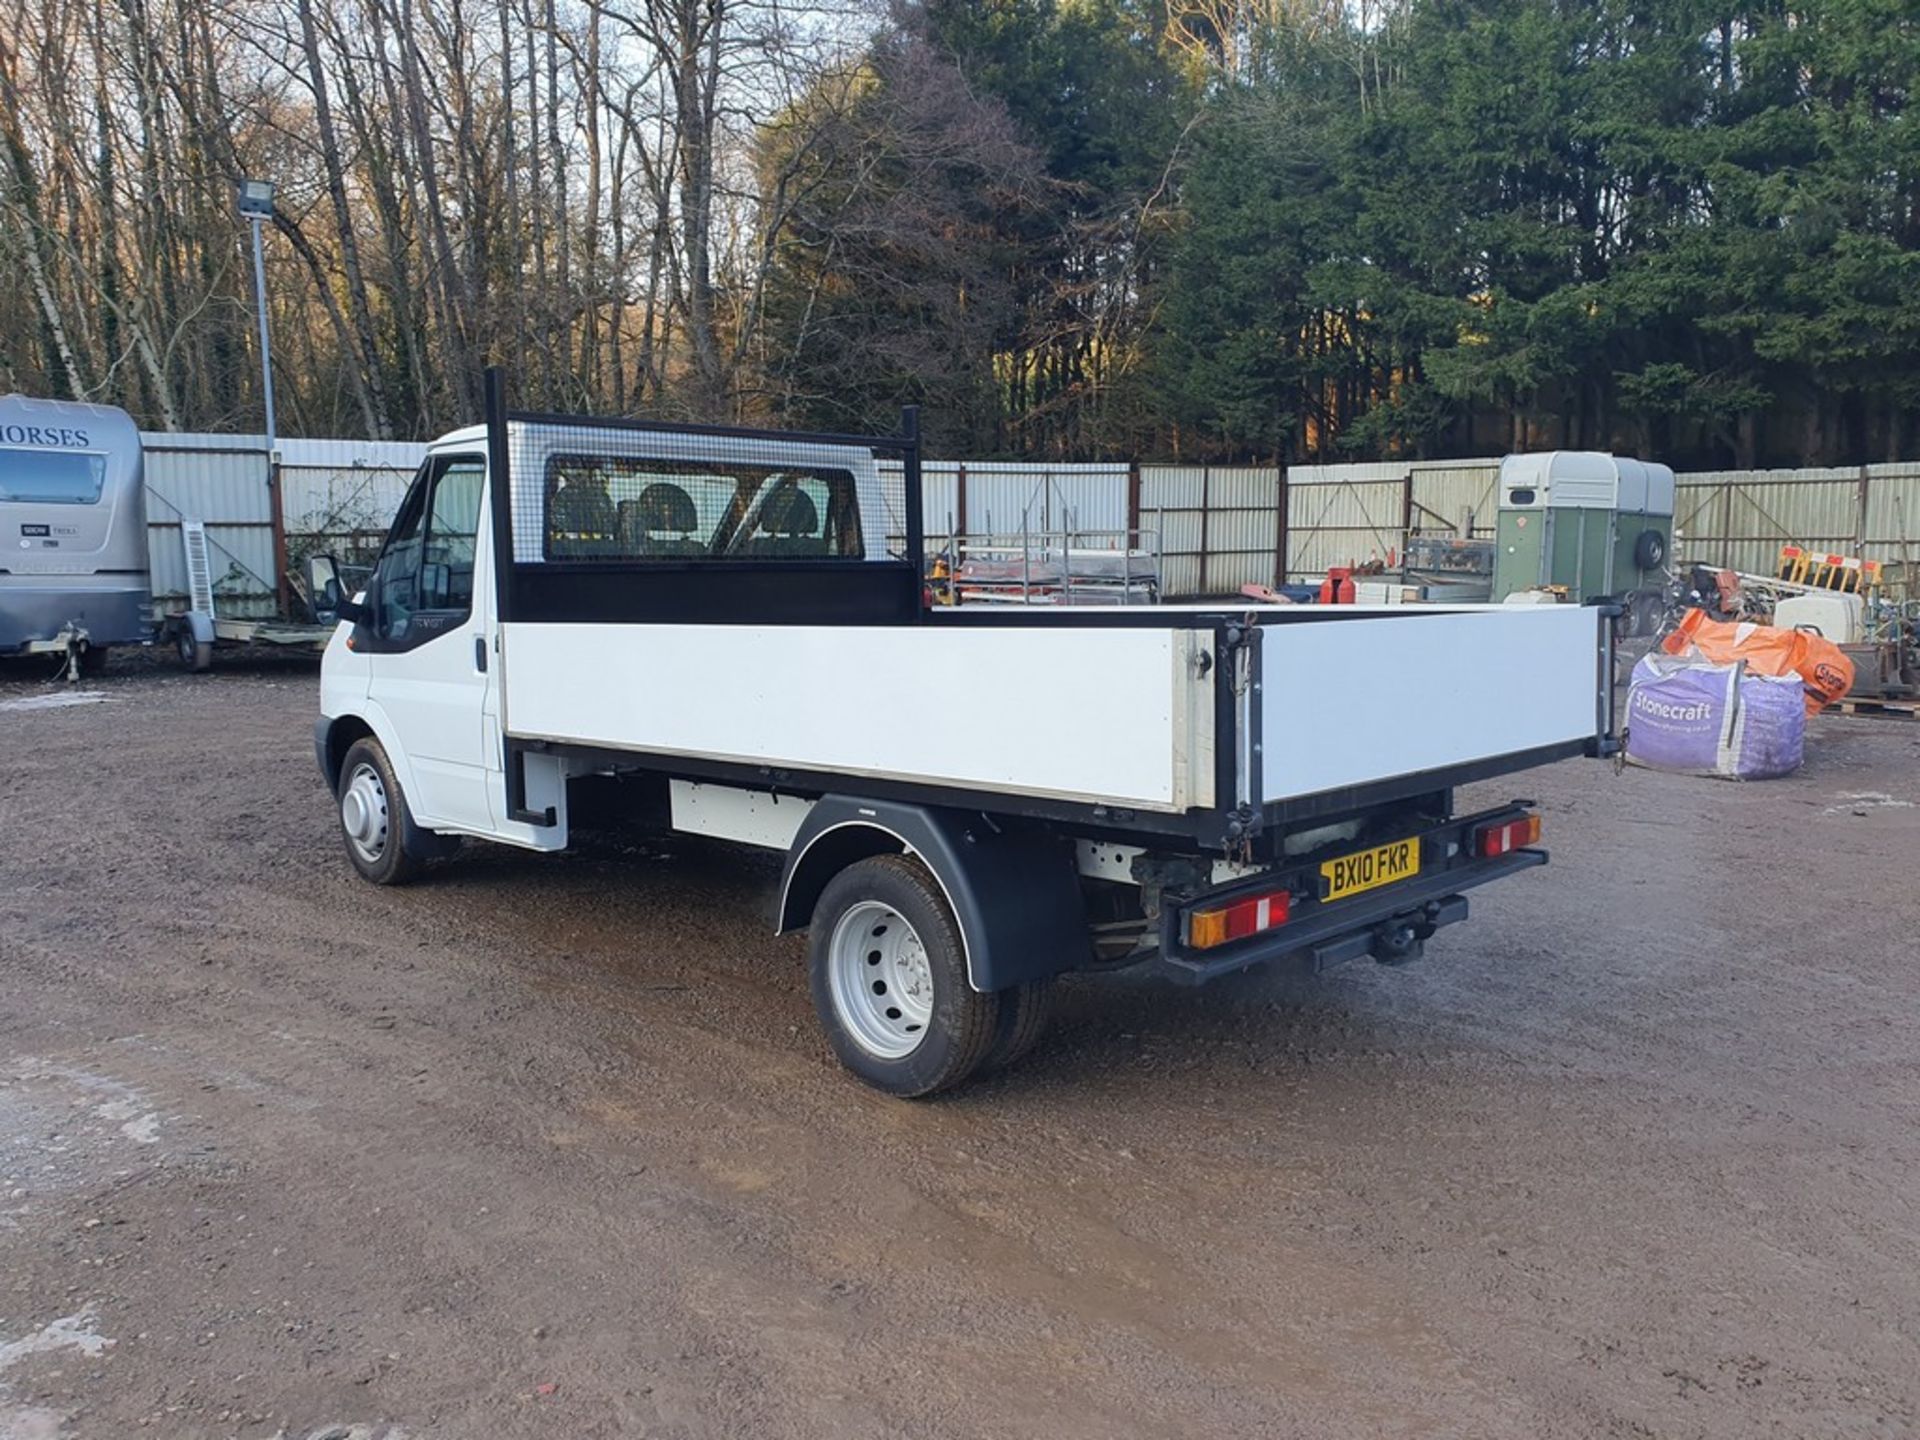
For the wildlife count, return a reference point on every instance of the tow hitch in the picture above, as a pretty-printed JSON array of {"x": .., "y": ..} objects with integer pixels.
[
  {"x": 71, "y": 645},
  {"x": 1399, "y": 942}
]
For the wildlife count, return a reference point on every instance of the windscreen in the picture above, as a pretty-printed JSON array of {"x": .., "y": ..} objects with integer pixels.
[{"x": 51, "y": 477}]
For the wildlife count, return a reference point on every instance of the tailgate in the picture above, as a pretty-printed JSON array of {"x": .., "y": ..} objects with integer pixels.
[{"x": 1372, "y": 698}]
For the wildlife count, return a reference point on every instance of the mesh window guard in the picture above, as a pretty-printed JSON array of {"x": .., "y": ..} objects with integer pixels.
[{"x": 639, "y": 497}]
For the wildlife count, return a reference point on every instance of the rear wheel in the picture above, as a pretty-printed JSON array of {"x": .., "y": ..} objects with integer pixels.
[
  {"x": 889, "y": 978},
  {"x": 1025, "y": 1013},
  {"x": 374, "y": 819}
]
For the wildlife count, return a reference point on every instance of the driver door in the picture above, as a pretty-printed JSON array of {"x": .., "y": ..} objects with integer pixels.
[{"x": 425, "y": 647}]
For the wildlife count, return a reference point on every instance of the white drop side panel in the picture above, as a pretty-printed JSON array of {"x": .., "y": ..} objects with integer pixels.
[
  {"x": 1351, "y": 701},
  {"x": 1102, "y": 715}
]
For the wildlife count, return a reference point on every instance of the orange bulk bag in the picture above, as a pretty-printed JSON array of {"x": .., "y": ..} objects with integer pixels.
[{"x": 1823, "y": 667}]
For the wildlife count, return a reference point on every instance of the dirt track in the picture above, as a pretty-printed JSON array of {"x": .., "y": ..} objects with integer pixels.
[{"x": 550, "y": 1146}]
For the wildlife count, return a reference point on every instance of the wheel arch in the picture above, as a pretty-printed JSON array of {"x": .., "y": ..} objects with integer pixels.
[
  {"x": 336, "y": 736},
  {"x": 341, "y": 731},
  {"x": 1015, "y": 895},
  {"x": 819, "y": 853}
]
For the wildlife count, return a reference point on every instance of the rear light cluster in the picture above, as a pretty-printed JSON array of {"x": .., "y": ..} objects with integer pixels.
[
  {"x": 1219, "y": 924},
  {"x": 1507, "y": 836}
]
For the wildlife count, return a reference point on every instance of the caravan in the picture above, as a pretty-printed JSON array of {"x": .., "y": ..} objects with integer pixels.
[{"x": 73, "y": 531}]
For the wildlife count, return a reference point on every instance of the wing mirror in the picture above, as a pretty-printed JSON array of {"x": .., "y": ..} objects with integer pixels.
[
  {"x": 327, "y": 596},
  {"x": 323, "y": 588}
]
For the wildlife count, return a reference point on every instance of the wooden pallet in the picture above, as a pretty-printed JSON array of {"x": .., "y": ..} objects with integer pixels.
[{"x": 1901, "y": 709}]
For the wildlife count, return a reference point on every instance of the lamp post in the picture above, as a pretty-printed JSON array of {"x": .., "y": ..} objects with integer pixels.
[{"x": 256, "y": 203}]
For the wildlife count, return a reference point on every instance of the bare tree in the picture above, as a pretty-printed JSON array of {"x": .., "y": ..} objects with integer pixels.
[{"x": 568, "y": 186}]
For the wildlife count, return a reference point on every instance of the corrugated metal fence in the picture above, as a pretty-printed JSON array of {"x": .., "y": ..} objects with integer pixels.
[
  {"x": 1228, "y": 526},
  {"x": 1740, "y": 518},
  {"x": 339, "y": 496},
  {"x": 221, "y": 479},
  {"x": 336, "y": 495},
  {"x": 1218, "y": 526},
  {"x": 1346, "y": 514},
  {"x": 970, "y": 497}
]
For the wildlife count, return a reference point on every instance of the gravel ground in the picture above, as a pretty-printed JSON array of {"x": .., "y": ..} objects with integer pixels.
[{"x": 549, "y": 1146}]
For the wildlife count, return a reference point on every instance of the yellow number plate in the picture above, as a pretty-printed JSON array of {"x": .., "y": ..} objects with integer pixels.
[{"x": 1369, "y": 869}]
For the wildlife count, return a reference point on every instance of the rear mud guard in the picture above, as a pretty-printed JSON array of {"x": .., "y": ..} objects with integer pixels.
[{"x": 1016, "y": 894}]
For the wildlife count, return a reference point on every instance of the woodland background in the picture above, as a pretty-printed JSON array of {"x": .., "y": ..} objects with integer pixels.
[{"x": 1204, "y": 229}]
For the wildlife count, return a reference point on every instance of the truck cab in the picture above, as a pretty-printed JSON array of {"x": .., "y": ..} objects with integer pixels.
[{"x": 414, "y": 671}]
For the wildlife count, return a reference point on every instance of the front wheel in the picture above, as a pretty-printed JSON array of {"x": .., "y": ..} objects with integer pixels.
[
  {"x": 374, "y": 819},
  {"x": 889, "y": 979}
]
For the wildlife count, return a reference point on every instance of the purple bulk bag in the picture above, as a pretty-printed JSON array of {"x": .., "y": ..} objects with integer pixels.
[{"x": 1703, "y": 719}]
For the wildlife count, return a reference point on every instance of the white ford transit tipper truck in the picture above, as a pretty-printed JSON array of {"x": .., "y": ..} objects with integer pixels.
[{"x": 728, "y": 629}]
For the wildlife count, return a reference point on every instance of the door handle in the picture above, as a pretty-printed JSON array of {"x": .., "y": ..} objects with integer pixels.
[{"x": 480, "y": 653}]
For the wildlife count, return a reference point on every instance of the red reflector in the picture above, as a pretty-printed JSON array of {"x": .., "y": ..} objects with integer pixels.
[
  {"x": 1508, "y": 836},
  {"x": 1221, "y": 923}
]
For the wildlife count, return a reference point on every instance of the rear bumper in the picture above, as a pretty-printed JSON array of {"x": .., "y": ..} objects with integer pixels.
[
  {"x": 1321, "y": 934},
  {"x": 111, "y": 614}
]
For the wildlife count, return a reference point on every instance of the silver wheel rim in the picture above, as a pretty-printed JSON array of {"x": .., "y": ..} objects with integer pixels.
[
  {"x": 881, "y": 982},
  {"x": 363, "y": 813}
]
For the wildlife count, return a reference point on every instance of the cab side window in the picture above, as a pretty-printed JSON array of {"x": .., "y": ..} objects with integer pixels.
[{"x": 424, "y": 584}]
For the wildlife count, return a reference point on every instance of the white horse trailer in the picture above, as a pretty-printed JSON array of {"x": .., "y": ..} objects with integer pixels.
[{"x": 73, "y": 531}]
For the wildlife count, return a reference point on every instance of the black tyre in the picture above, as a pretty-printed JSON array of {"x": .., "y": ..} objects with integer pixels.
[
  {"x": 1650, "y": 550},
  {"x": 1641, "y": 613},
  {"x": 196, "y": 655},
  {"x": 889, "y": 978},
  {"x": 375, "y": 824},
  {"x": 1025, "y": 1013},
  {"x": 1649, "y": 610}
]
